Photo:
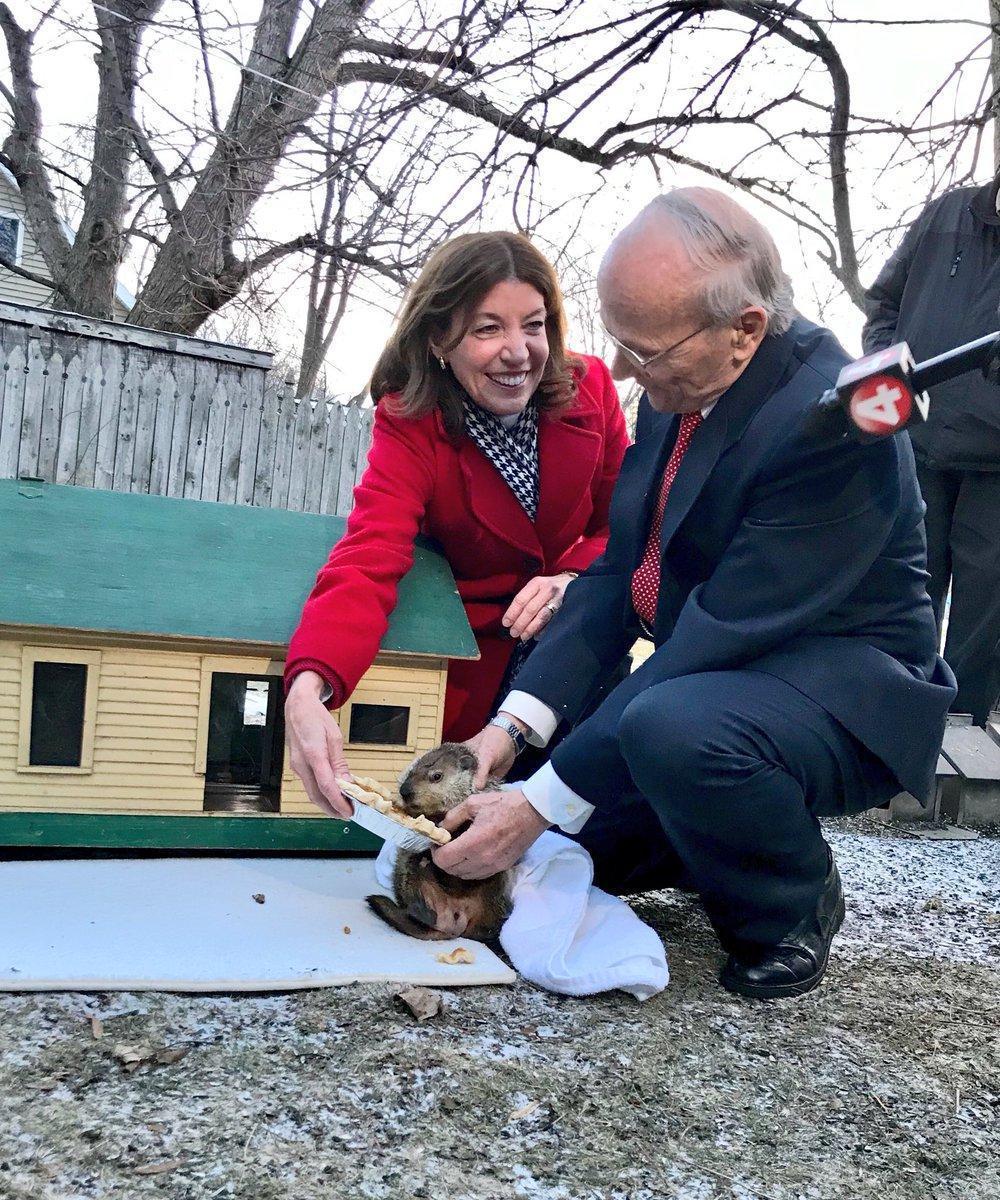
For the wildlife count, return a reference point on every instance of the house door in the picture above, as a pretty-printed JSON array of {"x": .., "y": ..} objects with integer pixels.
[{"x": 246, "y": 744}]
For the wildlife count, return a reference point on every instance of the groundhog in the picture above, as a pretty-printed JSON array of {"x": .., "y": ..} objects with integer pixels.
[{"x": 431, "y": 904}]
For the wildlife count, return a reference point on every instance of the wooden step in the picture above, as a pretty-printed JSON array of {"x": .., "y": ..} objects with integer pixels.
[{"x": 972, "y": 751}]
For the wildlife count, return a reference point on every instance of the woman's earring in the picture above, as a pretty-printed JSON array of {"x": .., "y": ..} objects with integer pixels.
[{"x": 444, "y": 365}]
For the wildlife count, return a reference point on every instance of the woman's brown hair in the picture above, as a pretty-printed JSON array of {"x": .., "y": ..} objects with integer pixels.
[{"x": 454, "y": 280}]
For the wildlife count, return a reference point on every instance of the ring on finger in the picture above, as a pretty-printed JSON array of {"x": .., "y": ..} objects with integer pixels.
[{"x": 553, "y": 608}]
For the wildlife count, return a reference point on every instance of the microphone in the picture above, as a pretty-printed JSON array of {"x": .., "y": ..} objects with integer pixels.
[{"x": 883, "y": 393}]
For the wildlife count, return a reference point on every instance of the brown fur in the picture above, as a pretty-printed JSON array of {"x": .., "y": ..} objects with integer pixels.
[{"x": 431, "y": 904}]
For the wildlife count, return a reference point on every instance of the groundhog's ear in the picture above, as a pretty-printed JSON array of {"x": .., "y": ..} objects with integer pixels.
[{"x": 468, "y": 762}]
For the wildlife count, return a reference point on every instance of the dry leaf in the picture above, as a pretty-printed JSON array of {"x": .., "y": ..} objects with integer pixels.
[
  {"x": 170, "y": 1054},
  {"x": 259, "y": 897},
  {"x": 525, "y": 1111},
  {"x": 422, "y": 1002},
  {"x": 347, "y": 929},
  {"x": 459, "y": 955},
  {"x": 134, "y": 1057},
  {"x": 161, "y": 1168},
  {"x": 96, "y": 1027}
]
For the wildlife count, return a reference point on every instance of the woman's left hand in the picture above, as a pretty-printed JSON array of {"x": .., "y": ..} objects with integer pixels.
[{"x": 536, "y": 604}]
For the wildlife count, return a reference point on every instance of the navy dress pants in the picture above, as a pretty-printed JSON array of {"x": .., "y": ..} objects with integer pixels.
[
  {"x": 963, "y": 549},
  {"x": 728, "y": 772}
]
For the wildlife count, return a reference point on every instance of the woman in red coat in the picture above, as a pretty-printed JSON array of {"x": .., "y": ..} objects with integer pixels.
[{"x": 494, "y": 440}]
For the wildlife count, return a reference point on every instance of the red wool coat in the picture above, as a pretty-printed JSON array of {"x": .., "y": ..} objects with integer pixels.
[{"x": 418, "y": 480}]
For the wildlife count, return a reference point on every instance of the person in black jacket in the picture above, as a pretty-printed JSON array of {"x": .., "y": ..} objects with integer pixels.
[{"x": 940, "y": 289}]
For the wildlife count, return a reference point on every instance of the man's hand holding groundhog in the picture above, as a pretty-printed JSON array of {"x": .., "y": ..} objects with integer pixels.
[
  {"x": 495, "y": 752},
  {"x": 504, "y": 825}
]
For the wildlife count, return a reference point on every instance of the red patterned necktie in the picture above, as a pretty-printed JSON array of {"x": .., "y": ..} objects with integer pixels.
[{"x": 646, "y": 580}]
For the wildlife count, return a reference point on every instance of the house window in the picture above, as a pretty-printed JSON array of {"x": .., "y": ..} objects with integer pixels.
[
  {"x": 58, "y": 699},
  {"x": 10, "y": 237},
  {"x": 58, "y": 709},
  {"x": 380, "y": 717},
  {"x": 383, "y": 724}
]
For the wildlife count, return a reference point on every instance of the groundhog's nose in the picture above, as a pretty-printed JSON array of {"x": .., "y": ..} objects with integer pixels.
[{"x": 406, "y": 790}]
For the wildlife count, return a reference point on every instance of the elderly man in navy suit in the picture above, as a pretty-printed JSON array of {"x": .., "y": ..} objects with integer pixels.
[{"x": 779, "y": 569}]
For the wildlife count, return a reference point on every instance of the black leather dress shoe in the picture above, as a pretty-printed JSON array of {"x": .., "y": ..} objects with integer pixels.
[{"x": 797, "y": 964}]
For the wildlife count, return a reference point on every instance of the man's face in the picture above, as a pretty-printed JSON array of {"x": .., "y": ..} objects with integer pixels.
[
  {"x": 648, "y": 306},
  {"x": 687, "y": 377}
]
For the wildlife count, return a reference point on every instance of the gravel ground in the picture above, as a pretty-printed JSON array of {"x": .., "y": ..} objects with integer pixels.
[{"x": 885, "y": 1083}]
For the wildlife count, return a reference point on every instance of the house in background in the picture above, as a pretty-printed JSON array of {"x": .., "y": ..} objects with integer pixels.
[
  {"x": 142, "y": 642},
  {"x": 17, "y": 242}
]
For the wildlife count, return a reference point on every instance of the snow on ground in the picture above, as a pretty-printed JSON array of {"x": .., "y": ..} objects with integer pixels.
[
  {"x": 928, "y": 898},
  {"x": 885, "y": 1082}
]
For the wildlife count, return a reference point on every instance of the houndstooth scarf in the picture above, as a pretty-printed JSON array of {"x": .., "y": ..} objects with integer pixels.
[{"x": 514, "y": 451}]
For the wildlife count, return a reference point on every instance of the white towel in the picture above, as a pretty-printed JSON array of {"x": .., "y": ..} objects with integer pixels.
[{"x": 565, "y": 934}]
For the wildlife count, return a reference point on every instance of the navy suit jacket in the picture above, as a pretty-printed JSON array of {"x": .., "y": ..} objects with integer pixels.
[{"x": 786, "y": 549}]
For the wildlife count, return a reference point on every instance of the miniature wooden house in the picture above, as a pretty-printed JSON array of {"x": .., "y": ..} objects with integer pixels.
[{"x": 142, "y": 642}]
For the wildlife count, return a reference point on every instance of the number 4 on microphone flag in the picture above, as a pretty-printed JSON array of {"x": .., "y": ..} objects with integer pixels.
[{"x": 877, "y": 394}]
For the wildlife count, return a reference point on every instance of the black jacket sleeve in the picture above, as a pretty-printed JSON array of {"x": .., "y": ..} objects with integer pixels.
[{"x": 883, "y": 298}]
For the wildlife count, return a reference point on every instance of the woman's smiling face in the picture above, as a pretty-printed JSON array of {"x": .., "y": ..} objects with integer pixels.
[{"x": 500, "y": 360}]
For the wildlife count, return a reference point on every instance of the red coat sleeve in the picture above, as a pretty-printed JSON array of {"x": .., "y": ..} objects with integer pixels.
[
  {"x": 348, "y": 609},
  {"x": 591, "y": 543}
]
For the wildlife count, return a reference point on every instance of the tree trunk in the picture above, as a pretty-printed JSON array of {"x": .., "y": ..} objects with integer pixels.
[
  {"x": 92, "y": 267},
  {"x": 198, "y": 270}
]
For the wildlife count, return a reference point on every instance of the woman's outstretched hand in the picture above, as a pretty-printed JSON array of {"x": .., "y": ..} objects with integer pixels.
[
  {"x": 315, "y": 745},
  {"x": 536, "y": 604}
]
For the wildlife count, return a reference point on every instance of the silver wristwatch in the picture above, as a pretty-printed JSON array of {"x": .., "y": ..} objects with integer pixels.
[{"x": 513, "y": 732}]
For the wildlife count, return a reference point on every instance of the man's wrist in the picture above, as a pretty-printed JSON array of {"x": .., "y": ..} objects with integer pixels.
[
  {"x": 541, "y": 821},
  {"x": 512, "y": 728},
  {"x": 522, "y": 726}
]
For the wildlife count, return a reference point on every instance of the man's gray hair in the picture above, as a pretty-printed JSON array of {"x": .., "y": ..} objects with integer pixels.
[{"x": 739, "y": 257}]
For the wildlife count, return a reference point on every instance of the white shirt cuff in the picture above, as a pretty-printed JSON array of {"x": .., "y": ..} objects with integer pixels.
[
  {"x": 553, "y": 800},
  {"x": 540, "y": 719}
]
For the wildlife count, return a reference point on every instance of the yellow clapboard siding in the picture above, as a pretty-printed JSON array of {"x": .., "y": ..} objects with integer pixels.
[
  {"x": 145, "y": 710},
  {"x": 172, "y": 740},
  {"x": 125, "y": 799},
  {"x": 171, "y": 756},
  {"x": 405, "y": 675},
  {"x": 128, "y": 685},
  {"x": 69, "y": 785},
  {"x": 132, "y": 657},
  {"x": 414, "y": 687},
  {"x": 114, "y": 721},
  {"x": 109, "y": 808},
  {"x": 164, "y": 670},
  {"x": 147, "y": 726},
  {"x": 174, "y": 697},
  {"x": 145, "y": 777}
]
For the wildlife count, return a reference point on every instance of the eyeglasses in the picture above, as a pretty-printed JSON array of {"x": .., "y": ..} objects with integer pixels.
[{"x": 644, "y": 362}]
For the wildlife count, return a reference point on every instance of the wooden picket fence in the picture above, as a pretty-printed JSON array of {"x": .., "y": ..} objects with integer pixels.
[{"x": 112, "y": 406}]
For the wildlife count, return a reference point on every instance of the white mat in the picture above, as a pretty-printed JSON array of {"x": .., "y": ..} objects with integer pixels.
[{"x": 192, "y": 925}]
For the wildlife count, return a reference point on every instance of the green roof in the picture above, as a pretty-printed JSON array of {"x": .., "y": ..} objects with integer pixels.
[{"x": 78, "y": 558}]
